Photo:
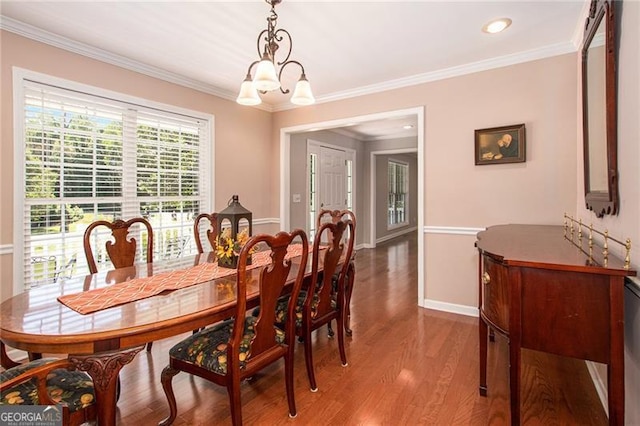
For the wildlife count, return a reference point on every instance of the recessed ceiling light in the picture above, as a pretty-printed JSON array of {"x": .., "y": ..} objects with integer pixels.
[
  {"x": 497, "y": 25},
  {"x": 407, "y": 126}
]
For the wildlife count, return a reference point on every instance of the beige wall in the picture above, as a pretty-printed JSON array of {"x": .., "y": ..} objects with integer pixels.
[
  {"x": 541, "y": 94},
  {"x": 249, "y": 145}
]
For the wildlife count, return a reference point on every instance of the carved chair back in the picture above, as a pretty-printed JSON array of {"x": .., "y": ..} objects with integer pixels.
[
  {"x": 122, "y": 250},
  {"x": 212, "y": 231}
]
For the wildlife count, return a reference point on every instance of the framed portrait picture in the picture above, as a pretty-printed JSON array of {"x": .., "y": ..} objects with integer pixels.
[{"x": 499, "y": 145}]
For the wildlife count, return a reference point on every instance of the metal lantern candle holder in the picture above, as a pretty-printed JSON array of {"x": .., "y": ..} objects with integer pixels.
[{"x": 230, "y": 218}]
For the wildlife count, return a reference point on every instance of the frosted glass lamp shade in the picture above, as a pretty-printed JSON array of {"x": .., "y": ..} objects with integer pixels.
[
  {"x": 248, "y": 94},
  {"x": 302, "y": 93},
  {"x": 266, "y": 78}
]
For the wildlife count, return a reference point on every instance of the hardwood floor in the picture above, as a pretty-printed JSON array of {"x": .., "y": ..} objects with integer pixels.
[{"x": 407, "y": 365}]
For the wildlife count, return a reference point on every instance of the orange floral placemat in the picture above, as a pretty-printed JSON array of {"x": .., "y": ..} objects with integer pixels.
[{"x": 91, "y": 301}]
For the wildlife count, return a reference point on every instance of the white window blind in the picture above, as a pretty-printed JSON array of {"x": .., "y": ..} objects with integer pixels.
[
  {"x": 88, "y": 158},
  {"x": 398, "y": 193}
]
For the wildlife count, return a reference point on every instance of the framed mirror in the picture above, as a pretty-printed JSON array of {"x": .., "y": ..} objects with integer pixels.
[{"x": 599, "y": 100}]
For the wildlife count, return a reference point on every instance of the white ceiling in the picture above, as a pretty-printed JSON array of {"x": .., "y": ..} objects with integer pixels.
[{"x": 347, "y": 47}]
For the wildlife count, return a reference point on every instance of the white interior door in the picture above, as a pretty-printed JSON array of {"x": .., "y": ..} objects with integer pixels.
[{"x": 333, "y": 179}]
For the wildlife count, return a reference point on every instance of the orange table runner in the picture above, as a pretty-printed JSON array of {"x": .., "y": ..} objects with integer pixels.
[{"x": 91, "y": 301}]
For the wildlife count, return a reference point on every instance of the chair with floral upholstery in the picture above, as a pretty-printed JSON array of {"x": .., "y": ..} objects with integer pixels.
[
  {"x": 212, "y": 231},
  {"x": 237, "y": 348},
  {"x": 324, "y": 299},
  {"x": 50, "y": 381},
  {"x": 335, "y": 216},
  {"x": 122, "y": 250}
]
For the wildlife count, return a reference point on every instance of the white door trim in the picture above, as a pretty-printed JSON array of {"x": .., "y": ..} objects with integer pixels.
[{"x": 285, "y": 158}]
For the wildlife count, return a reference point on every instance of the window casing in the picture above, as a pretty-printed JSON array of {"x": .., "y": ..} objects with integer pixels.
[
  {"x": 397, "y": 203},
  {"x": 84, "y": 156}
]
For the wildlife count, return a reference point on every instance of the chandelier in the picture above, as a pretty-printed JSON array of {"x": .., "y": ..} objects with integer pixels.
[{"x": 267, "y": 77}]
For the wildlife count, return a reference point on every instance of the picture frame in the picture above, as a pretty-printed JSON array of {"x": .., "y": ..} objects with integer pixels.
[{"x": 500, "y": 145}]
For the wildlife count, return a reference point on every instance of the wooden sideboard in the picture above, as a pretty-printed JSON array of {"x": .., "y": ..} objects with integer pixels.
[{"x": 545, "y": 293}]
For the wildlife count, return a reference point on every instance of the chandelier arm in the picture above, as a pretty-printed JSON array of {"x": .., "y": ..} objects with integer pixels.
[
  {"x": 258, "y": 42},
  {"x": 280, "y": 38},
  {"x": 254, "y": 63},
  {"x": 282, "y": 69}
]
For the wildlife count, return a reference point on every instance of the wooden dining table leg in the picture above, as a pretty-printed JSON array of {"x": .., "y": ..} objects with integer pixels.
[{"x": 103, "y": 367}]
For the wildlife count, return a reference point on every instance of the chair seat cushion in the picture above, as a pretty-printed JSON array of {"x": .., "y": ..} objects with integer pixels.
[
  {"x": 208, "y": 348},
  {"x": 281, "y": 308},
  {"x": 73, "y": 388}
]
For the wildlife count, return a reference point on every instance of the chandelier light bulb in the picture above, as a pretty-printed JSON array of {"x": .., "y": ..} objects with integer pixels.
[
  {"x": 266, "y": 78},
  {"x": 302, "y": 94},
  {"x": 248, "y": 93}
]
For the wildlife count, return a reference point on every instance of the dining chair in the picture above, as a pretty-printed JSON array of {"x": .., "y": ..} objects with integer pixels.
[
  {"x": 324, "y": 299},
  {"x": 50, "y": 381},
  {"x": 237, "y": 348},
  {"x": 122, "y": 250},
  {"x": 335, "y": 216},
  {"x": 212, "y": 231}
]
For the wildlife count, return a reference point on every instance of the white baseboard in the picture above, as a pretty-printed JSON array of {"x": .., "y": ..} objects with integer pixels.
[
  {"x": 396, "y": 234},
  {"x": 470, "y": 311},
  {"x": 601, "y": 387}
]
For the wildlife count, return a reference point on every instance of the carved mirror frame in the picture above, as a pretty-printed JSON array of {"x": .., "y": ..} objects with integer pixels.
[{"x": 601, "y": 201}]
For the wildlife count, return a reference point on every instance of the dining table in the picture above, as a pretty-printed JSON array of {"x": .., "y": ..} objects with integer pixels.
[{"x": 104, "y": 340}]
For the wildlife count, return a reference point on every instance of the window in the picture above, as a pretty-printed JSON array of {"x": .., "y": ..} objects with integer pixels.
[
  {"x": 350, "y": 184},
  {"x": 87, "y": 157},
  {"x": 398, "y": 194},
  {"x": 313, "y": 193}
]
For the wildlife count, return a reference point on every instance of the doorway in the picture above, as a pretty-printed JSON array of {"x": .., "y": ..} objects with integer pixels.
[{"x": 365, "y": 237}]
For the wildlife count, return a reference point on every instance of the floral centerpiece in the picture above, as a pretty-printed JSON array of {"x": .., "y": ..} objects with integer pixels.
[{"x": 228, "y": 249}]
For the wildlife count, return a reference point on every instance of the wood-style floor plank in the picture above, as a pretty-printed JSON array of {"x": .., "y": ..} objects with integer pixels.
[{"x": 407, "y": 365}]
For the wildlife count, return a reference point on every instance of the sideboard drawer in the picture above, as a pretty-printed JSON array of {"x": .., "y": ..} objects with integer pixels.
[{"x": 495, "y": 293}]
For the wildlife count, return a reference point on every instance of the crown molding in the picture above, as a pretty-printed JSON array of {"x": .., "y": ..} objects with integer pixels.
[
  {"x": 49, "y": 38},
  {"x": 470, "y": 68},
  {"x": 578, "y": 32},
  {"x": 37, "y": 34}
]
